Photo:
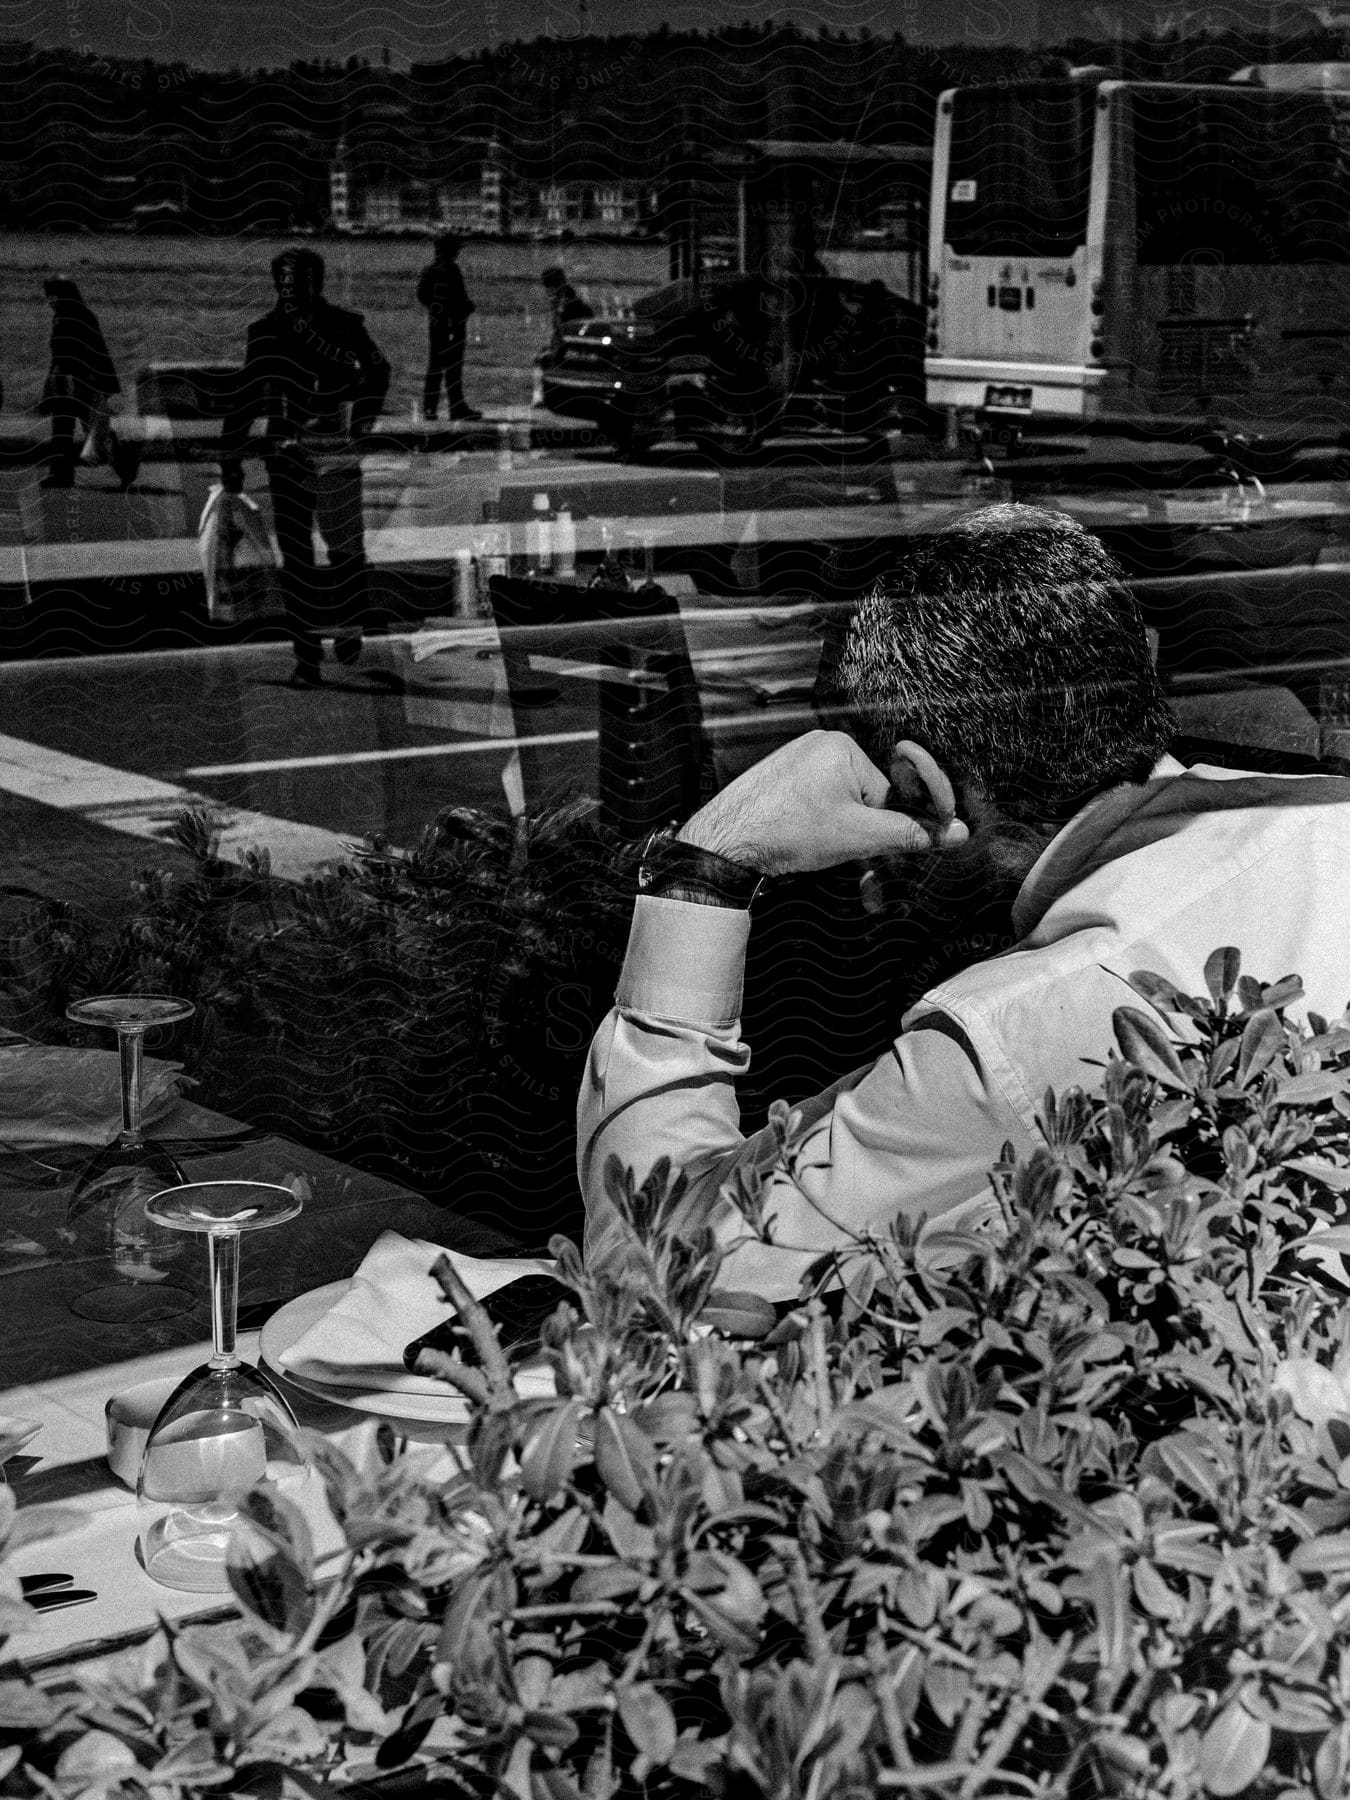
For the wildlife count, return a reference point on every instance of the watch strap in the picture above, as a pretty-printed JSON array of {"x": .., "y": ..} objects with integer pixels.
[{"x": 672, "y": 869}]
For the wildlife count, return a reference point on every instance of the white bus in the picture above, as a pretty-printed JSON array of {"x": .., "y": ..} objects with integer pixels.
[{"x": 1141, "y": 253}]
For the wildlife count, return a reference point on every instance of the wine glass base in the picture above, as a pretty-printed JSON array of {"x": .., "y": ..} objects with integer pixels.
[
  {"x": 195, "y": 1565},
  {"x": 125, "y": 1303}
]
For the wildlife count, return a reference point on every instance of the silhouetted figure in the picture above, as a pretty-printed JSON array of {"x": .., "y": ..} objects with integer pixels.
[
  {"x": 568, "y": 308},
  {"x": 80, "y": 381},
  {"x": 313, "y": 370},
  {"x": 441, "y": 290}
]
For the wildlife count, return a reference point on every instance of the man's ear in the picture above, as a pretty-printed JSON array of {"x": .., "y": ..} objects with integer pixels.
[{"x": 918, "y": 784}]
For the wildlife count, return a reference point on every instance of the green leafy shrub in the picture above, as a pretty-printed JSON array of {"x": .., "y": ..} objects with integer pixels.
[{"x": 1059, "y": 1507}]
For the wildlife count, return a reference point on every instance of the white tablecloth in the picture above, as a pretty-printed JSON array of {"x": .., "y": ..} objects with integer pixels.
[{"x": 65, "y": 1466}]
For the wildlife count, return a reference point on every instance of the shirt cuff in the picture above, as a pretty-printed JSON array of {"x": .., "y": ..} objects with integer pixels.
[{"x": 685, "y": 962}]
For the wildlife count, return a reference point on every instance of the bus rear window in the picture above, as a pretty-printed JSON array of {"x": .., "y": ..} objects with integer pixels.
[
  {"x": 1020, "y": 171},
  {"x": 1241, "y": 178}
]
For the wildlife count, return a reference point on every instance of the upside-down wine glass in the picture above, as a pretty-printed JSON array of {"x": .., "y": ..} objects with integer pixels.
[
  {"x": 225, "y": 1428},
  {"x": 120, "y": 1263}
]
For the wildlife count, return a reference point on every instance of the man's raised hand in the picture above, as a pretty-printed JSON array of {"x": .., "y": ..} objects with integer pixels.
[{"x": 819, "y": 801}]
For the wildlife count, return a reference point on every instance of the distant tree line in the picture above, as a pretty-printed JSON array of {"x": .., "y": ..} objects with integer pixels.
[{"x": 92, "y": 142}]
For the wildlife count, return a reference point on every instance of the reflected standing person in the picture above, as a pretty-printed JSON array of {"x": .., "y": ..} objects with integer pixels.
[
  {"x": 441, "y": 290},
  {"x": 315, "y": 373},
  {"x": 80, "y": 382}
]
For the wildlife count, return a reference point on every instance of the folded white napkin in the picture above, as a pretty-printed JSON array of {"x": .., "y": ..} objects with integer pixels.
[
  {"x": 53, "y": 1095},
  {"x": 14, "y": 1434},
  {"x": 393, "y": 1298}
]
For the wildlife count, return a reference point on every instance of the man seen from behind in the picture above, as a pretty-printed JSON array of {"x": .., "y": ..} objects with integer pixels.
[{"x": 1008, "y": 736}]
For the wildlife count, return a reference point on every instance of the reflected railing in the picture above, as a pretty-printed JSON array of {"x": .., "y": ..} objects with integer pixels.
[{"x": 651, "y": 699}]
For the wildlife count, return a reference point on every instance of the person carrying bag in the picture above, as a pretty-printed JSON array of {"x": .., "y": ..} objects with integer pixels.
[{"x": 81, "y": 382}]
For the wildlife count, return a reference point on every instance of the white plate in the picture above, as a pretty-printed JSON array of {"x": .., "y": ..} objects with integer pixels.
[{"x": 289, "y": 1324}]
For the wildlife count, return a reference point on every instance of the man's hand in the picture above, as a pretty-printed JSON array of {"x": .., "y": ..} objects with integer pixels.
[{"x": 819, "y": 801}]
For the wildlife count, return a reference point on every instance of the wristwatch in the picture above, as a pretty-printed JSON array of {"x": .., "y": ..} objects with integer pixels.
[{"x": 676, "y": 871}]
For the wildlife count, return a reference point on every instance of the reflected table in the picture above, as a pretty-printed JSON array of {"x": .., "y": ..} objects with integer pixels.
[{"x": 345, "y": 1210}]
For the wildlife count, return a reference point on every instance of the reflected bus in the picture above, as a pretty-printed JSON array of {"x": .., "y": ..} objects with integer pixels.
[{"x": 1143, "y": 255}]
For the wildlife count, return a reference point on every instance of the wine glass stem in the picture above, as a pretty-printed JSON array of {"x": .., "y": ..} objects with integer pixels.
[
  {"x": 129, "y": 1041},
  {"x": 222, "y": 1249}
]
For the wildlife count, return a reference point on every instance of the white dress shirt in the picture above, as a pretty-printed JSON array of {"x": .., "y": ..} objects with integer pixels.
[{"x": 1152, "y": 876}]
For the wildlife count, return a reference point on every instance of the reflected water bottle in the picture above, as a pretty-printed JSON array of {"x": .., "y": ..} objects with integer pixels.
[
  {"x": 539, "y": 539},
  {"x": 564, "y": 542}
]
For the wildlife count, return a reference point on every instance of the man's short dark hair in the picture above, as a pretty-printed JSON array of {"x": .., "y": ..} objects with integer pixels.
[
  {"x": 449, "y": 243},
  {"x": 293, "y": 261},
  {"x": 1009, "y": 647},
  {"x": 553, "y": 277}
]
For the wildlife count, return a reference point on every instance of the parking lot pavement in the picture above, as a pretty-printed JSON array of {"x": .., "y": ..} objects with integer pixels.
[
  {"x": 121, "y": 745},
  {"x": 59, "y": 855}
]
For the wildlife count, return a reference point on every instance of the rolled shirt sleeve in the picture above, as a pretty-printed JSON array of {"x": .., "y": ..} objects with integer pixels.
[{"x": 915, "y": 1134}]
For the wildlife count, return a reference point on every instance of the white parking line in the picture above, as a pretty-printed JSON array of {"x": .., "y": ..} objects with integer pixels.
[
  {"x": 776, "y": 715},
  {"x": 141, "y": 806},
  {"x": 340, "y": 760}
]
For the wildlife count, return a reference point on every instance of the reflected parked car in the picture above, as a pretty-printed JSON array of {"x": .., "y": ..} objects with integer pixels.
[{"x": 737, "y": 358}]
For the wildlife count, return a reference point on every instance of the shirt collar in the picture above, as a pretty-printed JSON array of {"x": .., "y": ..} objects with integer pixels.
[{"x": 1060, "y": 864}]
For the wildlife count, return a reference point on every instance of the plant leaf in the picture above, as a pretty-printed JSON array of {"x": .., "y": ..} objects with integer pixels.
[
  {"x": 1280, "y": 993},
  {"x": 1113, "y": 1611},
  {"x": 1222, "y": 967},
  {"x": 1262, "y": 1041},
  {"x": 648, "y": 1720},
  {"x": 625, "y": 1457},
  {"x": 1154, "y": 1595},
  {"x": 1145, "y": 1044},
  {"x": 1233, "y": 1750},
  {"x": 1316, "y": 1393},
  {"x": 1315, "y": 1086},
  {"x": 1190, "y": 1461},
  {"x": 1158, "y": 991},
  {"x": 1333, "y": 1174},
  {"x": 550, "y": 1454},
  {"x": 1328, "y": 1555}
]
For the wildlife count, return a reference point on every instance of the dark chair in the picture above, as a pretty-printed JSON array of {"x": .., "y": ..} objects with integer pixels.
[{"x": 651, "y": 743}]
